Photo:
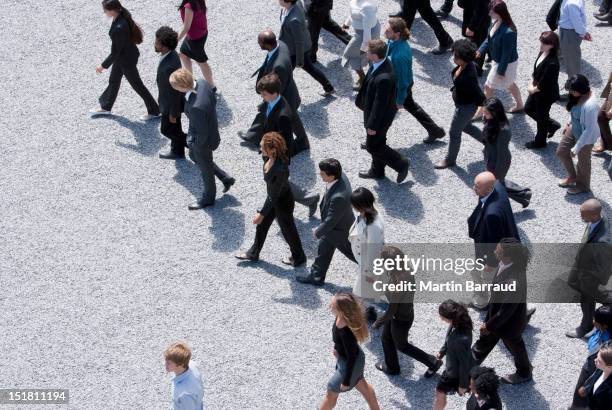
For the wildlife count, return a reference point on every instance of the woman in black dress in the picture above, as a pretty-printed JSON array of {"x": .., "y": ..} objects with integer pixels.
[
  {"x": 125, "y": 35},
  {"x": 279, "y": 202},
  {"x": 350, "y": 328},
  {"x": 544, "y": 89},
  {"x": 496, "y": 139}
]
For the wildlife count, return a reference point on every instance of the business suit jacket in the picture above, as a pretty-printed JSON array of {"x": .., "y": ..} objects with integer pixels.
[
  {"x": 458, "y": 351},
  {"x": 123, "y": 51},
  {"x": 336, "y": 212},
  {"x": 466, "y": 88},
  {"x": 507, "y": 314},
  {"x": 592, "y": 267},
  {"x": 170, "y": 101},
  {"x": 280, "y": 64},
  {"x": 546, "y": 78},
  {"x": 277, "y": 187},
  {"x": 497, "y": 154},
  {"x": 203, "y": 134},
  {"x": 294, "y": 33},
  {"x": 279, "y": 120},
  {"x": 602, "y": 398},
  {"x": 376, "y": 97},
  {"x": 492, "y": 222}
]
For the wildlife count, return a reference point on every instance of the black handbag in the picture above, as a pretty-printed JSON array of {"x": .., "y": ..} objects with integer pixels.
[{"x": 552, "y": 18}]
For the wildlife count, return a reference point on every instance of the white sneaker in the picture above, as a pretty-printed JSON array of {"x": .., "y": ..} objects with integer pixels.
[
  {"x": 96, "y": 112},
  {"x": 148, "y": 117}
]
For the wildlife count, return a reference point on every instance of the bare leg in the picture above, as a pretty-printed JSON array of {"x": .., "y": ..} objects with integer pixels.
[
  {"x": 439, "y": 401},
  {"x": 186, "y": 62},
  {"x": 207, "y": 73},
  {"x": 329, "y": 401},
  {"x": 516, "y": 94},
  {"x": 367, "y": 391}
]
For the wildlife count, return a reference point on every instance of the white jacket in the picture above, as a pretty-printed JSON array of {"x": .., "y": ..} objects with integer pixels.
[{"x": 366, "y": 243}]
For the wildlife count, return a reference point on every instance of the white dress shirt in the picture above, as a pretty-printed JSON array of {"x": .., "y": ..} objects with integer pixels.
[{"x": 363, "y": 17}]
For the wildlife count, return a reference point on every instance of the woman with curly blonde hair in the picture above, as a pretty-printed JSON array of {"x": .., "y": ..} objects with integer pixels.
[{"x": 350, "y": 328}]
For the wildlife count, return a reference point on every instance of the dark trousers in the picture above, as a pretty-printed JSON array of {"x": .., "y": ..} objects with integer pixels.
[
  {"x": 517, "y": 193},
  {"x": 515, "y": 345},
  {"x": 209, "y": 170},
  {"x": 587, "y": 370},
  {"x": 587, "y": 305},
  {"x": 321, "y": 19},
  {"x": 539, "y": 109},
  {"x": 604, "y": 128},
  {"x": 301, "y": 138},
  {"x": 300, "y": 195},
  {"x": 419, "y": 114},
  {"x": 283, "y": 213},
  {"x": 175, "y": 133},
  {"x": 108, "y": 97},
  {"x": 461, "y": 122},
  {"x": 424, "y": 8},
  {"x": 382, "y": 154},
  {"x": 314, "y": 72},
  {"x": 447, "y": 7},
  {"x": 325, "y": 252},
  {"x": 395, "y": 338}
]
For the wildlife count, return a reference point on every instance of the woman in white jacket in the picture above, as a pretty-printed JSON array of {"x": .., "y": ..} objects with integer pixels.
[
  {"x": 367, "y": 237},
  {"x": 366, "y": 27}
]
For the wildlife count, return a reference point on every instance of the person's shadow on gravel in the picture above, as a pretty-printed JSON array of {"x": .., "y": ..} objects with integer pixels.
[
  {"x": 317, "y": 125},
  {"x": 224, "y": 112},
  {"x": 421, "y": 166},
  {"x": 227, "y": 225},
  {"x": 146, "y": 135},
  {"x": 399, "y": 202}
]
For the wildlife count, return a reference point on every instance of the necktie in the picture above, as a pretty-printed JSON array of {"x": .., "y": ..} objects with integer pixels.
[{"x": 587, "y": 231}]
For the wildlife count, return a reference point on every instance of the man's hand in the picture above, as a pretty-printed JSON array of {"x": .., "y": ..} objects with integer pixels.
[
  {"x": 532, "y": 89},
  {"x": 371, "y": 132},
  {"x": 588, "y": 37},
  {"x": 488, "y": 269},
  {"x": 172, "y": 119},
  {"x": 582, "y": 392},
  {"x": 99, "y": 69},
  {"x": 483, "y": 329},
  {"x": 469, "y": 33},
  {"x": 258, "y": 219},
  {"x": 477, "y": 55}
]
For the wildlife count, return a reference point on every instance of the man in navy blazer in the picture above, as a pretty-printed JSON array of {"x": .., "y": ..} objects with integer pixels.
[
  {"x": 491, "y": 220},
  {"x": 203, "y": 135}
]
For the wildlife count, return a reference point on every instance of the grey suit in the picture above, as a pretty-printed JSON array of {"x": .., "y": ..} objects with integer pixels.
[
  {"x": 203, "y": 138},
  {"x": 336, "y": 221}
]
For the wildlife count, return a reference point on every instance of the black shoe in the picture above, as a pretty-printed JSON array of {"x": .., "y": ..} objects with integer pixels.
[
  {"x": 243, "y": 137},
  {"x": 228, "y": 184},
  {"x": 309, "y": 280},
  {"x": 433, "y": 370},
  {"x": 171, "y": 155},
  {"x": 371, "y": 314},
  {"x": 198, "y": 205},
  {"x": 604, "y": 17},
  {"x": 328, "y": 92},
  {"x": 525, "y": 203},
  {"x": 530, "y": 312},
  {"x": 442, "y": 13},
  {"x": 383, "y": 368},
  {"x": 370, "y": 175},
  {"x": 312, "y": 208},
  {"x": 288, "y": 260},
  {"x": 363, "y": 146},
  {"x": 401, "y": 176},
  {"x": 516, "y": 378},
  {"x": 564, "y": 97},
  {"x": 577, "y": 333},
  {"x": 431, "y": 138},
  {"x": 443, "y": 48},
  {"x": 552, "y": 130},
  {"x": 243, "y": 256},
  {"x": 533, "y": 145}
]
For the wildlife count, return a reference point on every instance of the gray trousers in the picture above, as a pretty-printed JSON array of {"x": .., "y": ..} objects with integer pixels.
[
  {"x": 570, "y": 50},
  {"x": 461, "y": 122},
  {"x": 209, "y": 170}
]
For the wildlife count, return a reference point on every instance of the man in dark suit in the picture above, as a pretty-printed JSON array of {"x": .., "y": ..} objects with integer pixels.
[
  {"x": 319, "y": 16},
  {"x": 336, "y": 221},
  {"x": 294, "y": 33},
  {"x": 592, "y": 267},
  {"x": 170, "y": 100},
  {"x": 376, "y": 98},
  {"x": 507, "y": 314},
  {"x": 491, "y": 221},
  {"x": 203, "y": 135},
  {"x": 278, "y": 61}
]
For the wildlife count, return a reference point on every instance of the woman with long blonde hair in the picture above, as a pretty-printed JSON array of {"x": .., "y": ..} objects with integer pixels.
[{"x": 350, "y": 328}]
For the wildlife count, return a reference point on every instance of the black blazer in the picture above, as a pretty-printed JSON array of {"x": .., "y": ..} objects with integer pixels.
[
  {"x": 277, "y": 186},
  {"x": 280, "y": 64},
  {"x": 376, "y": 97},
  {"x": 466, "y": 88},
  {"x": 171, "y": 101},
  {"x": 336, "y": 212},
  {"x": 592, "y": 267},
  {"x": 201, "y": 109},
  {"x": 491, "y": 222},
  {"x": 507, "y": 314},
  {"x": 279, "y": 120},
  {"x": 475, "y": 17},
  {"x": 458, "y": 351},
  {"x": 123, "y": 51},
  {"x": 294, "y": 33},
  {"x": 497, "y": 154},
  {"x": 546, "y": 77},
  {"x": 602, "y": 398}
]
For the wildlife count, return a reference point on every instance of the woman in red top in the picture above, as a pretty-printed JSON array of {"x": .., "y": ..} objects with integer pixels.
[{"x": 195, "y": 31}]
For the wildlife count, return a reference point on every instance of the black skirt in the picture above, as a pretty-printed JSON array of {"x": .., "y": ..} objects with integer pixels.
[{"x": 194, "y": 49}]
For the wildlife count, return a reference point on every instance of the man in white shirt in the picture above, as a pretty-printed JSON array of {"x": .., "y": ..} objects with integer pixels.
[
  {"x": 572, "y": 30},
  {"x": 187, "y": 389}
]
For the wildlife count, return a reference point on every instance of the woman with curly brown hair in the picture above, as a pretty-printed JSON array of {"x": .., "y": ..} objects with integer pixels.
[
  {"x": 350, "y": 328},
  {"x": 279, "y": 202}
]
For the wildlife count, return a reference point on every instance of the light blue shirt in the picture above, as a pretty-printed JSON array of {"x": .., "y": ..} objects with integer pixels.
[
  {"x": 187, "y": 390},
  {"x": 376, "y": 65},
  {"x": 592, "y": 227},
  {"x": 573, "y": 17},
  {"x": 271, "y": 105},
  {"x": 271, "y": 54}
]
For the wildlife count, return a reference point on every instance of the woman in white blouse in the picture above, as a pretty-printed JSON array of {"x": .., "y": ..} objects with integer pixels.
[
  {"x": 366, "y": 27},
  {"x": 367, "y": 237}
]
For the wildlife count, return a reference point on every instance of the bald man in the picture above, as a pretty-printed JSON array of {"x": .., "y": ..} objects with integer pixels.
[
  {"x": 591, "y": 271},
  {"x": 491, "y": 221}
]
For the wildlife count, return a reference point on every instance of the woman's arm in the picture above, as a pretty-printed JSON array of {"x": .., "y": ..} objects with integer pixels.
[
  {"x": 188, "y": 19},
  {"x": 119, "y": 37}
]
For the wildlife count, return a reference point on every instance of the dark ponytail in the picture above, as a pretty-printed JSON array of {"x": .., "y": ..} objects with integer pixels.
[{"x": 136, "y": 34}]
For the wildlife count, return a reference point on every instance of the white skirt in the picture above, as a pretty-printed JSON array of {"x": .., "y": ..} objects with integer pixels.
[{"x": 498, "y": 83}]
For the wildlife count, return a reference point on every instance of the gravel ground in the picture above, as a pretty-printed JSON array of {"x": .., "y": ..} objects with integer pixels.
[{"x": 103, "y": 266}]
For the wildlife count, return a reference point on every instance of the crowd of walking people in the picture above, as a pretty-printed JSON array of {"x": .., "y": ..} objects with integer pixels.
[{"x": 379, "y": 53}]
